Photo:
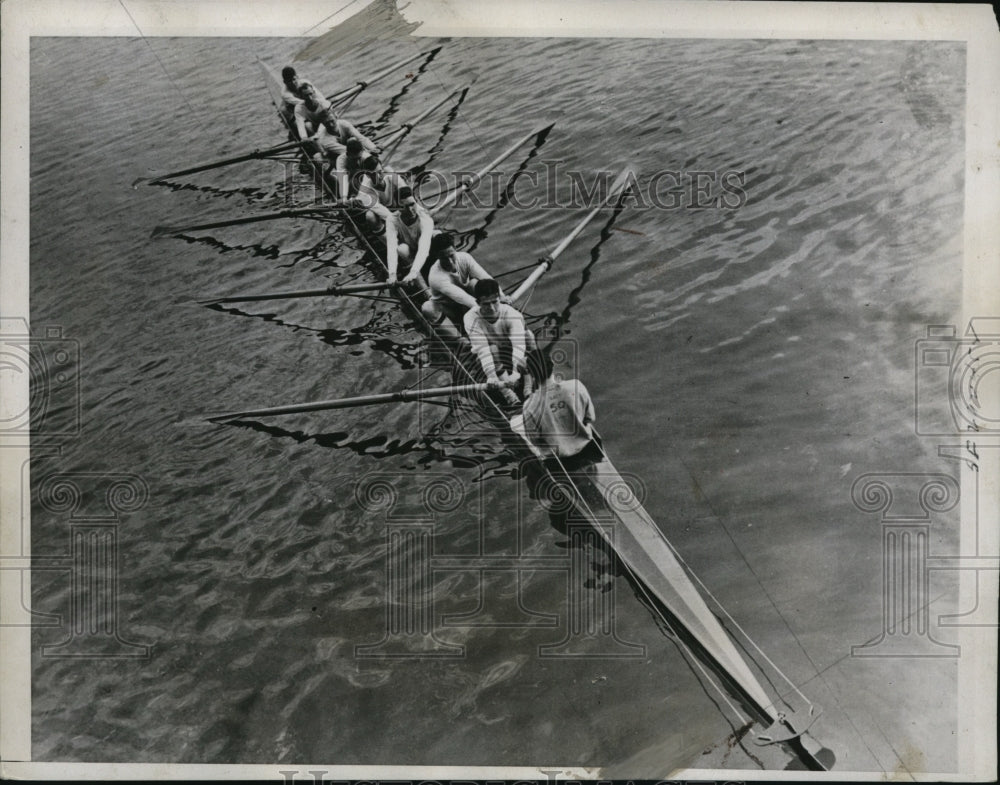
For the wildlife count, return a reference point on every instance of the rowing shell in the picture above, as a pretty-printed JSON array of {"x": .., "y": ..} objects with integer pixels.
[{"x": 599, "y": 492}]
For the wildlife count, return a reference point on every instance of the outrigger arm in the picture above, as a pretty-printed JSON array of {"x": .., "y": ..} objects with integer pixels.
[
  {"x": 350, "y": 92},
  {"x": 401, "y": 396}
]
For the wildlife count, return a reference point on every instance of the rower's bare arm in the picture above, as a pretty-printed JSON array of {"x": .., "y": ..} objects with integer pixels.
[
  {"x": 340, "y": 174},
  {"x": 423, "y": 246},
  {"x": 391, "y": 247}
]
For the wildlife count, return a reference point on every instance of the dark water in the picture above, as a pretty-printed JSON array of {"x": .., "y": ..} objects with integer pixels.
[{"x": 747, "y": 365}]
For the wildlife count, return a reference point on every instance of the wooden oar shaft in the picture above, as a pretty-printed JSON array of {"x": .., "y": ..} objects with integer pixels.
[
  {"x": 545, "y": 264},
  {"x": 530, "y": 281},
  {"x": 330, "y": 291},
  {"x": 405, "y": 128},
  {"x": 477, "y": 176},
  {"x": 401, "y": 396},
  {"x": 613, "y": 191},
  {"x": 224, "y": 162},
  {"x": 357, "y": 88},
  {"x": 293, "y": 212}
]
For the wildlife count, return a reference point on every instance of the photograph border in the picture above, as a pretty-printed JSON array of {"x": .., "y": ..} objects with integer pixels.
[{"x": 23, "y": 19}]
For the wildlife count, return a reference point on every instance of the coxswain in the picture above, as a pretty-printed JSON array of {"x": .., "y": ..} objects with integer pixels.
[
  {"x": 451, "y": 282},
  {"x": 558, "y": 417},
  {"x": 499, "y": 338},
  {"x": 377, "y": 188},
  {"x": 407, "y": 236}
]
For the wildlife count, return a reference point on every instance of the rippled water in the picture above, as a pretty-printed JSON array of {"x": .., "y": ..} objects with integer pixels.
[{"x": 747, "y": 364}]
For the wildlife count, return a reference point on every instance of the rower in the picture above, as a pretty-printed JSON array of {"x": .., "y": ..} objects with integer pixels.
[
  {"x": 348, "y": 167},
  {"x": 452, "y": 281},
  {"x": 499, "y": 339},
  {"x": 407, "y": 236},
  {"x": 318, "y": 123},
  {"x": 290, "y": 97},
  {"x": 377, "y": 187},
  {"x": 558, "y": 417}
]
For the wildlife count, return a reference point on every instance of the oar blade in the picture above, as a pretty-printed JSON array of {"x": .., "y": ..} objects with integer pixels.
[{"x": 164, "y": 231}]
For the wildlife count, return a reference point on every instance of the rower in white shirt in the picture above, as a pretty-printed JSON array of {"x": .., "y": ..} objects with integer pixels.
[
  {"x": 499, "y": 339},
  {"x": 407, "y": 237},
  {"x": 290, "y": 98},
  {"x": 317, "y": 123},
  {"x": 378, "y": 188},
  {"x": 347, "y": 168},
  {"x": 452, "y": 281}
]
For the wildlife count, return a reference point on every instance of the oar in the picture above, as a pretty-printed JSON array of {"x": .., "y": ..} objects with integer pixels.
[
  {"x": 292, "y": 212},
  {"x": 545, "y": 263},
  {"x": 465, "y": 185},
  {"x": 330, "y": 291},
  {"x": 216, "y": 164},
  {"x": 350, "y": 92},
  {"x": 342, "y": 95},
  {"x": 401, "y": 396},
  {"x": 395, "y": 137}
]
